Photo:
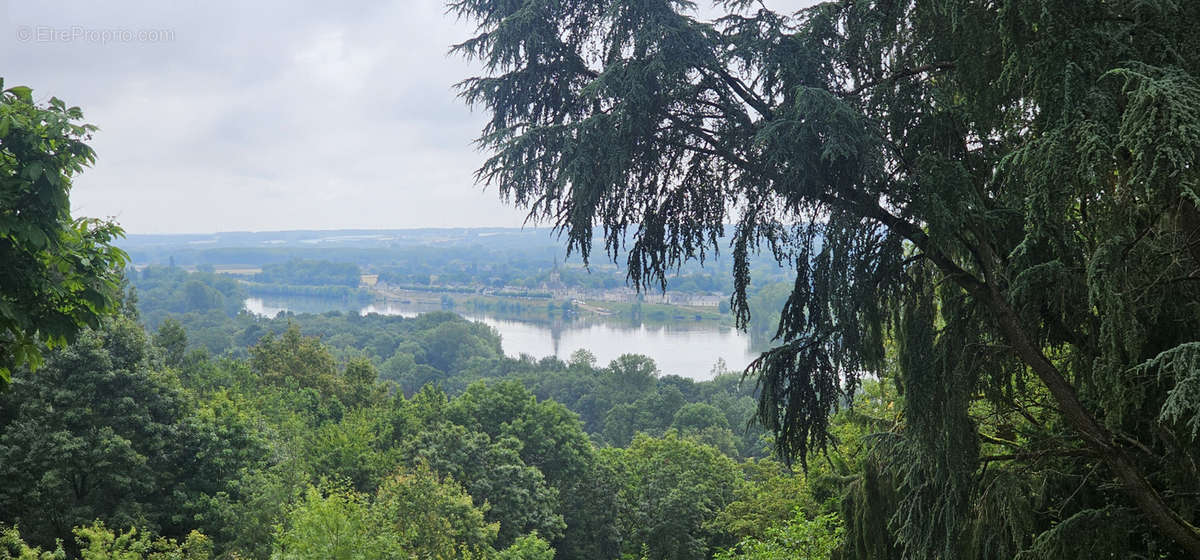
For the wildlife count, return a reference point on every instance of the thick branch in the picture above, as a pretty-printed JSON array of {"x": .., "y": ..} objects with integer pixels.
[
  {"x": 1095, "y": 436},
  {"x": 1036, "y": 455},
  {"x": 918, "y": 237},
  {"x": 744, "y": 93}
]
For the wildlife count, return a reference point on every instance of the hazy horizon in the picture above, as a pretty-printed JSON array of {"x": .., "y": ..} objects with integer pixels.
[{"x": 337, "y": 229}]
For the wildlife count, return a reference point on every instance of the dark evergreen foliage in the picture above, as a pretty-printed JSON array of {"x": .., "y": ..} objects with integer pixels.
[{"x": 1005, "y": 192}]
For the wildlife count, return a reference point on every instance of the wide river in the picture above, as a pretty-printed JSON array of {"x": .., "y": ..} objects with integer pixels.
[{"x": 686, "y": 350}]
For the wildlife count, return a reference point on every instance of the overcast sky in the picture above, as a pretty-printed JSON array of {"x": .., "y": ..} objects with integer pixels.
[{"x": 266, "y": 115}]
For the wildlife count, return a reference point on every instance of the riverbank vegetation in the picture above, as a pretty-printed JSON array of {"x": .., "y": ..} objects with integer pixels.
[{"x": 210, "y": 304}]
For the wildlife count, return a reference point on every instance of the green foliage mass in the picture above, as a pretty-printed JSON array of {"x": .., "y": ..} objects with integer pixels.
[
  {"x": 414, "y": 514},
  {"x": 99, "y": 433},
  {"x": 799, "y": 539},
  {"x": 163, "y": 291},
  {"x": 60, "y": 274},
  {"x": 310, "y": 273},
  {"x": 97, "y": 542},
  {"x": 672, "y": 488}
]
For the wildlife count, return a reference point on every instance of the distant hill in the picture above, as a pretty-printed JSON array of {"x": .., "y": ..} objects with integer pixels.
[
  {"x": 341, "y": 238},
  {"x": 360, "y": 246}
]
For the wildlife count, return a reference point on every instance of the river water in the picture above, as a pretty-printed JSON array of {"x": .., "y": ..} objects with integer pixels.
[{"x": 685, "y": 349}]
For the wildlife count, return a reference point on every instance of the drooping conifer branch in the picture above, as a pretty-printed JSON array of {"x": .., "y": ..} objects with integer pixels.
[{"x": 1009, "y": 223}]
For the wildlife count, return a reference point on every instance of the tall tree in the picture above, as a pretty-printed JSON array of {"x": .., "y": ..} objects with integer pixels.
[
  {"x": 59, "y": 273},
  {"x": 1007, "y": 189},
  {"x": 674, "y": 488}
]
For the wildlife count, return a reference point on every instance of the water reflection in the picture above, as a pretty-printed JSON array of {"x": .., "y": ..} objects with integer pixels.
[{"x": 685, "y": 349}]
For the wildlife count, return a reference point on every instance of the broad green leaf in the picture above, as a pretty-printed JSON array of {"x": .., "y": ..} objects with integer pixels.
[{"x": 24, "y": 93}]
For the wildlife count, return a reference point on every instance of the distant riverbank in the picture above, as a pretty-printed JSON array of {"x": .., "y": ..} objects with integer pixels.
[{"x": 689, "y": 348}]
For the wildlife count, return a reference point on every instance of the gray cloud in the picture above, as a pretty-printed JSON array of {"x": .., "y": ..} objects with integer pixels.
[{"x": 267, "y": 115}]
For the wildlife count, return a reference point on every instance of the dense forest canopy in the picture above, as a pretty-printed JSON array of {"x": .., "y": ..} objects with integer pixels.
[
  {"x": 387, "y": 436},
  {"x": 993, "y": 203}
]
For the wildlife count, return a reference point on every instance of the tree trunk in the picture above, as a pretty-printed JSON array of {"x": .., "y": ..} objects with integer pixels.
[{"x": 1148, "y": 500}]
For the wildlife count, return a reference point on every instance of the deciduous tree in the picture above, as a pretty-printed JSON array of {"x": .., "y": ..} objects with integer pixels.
[{"x": 59, "y": 273}]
